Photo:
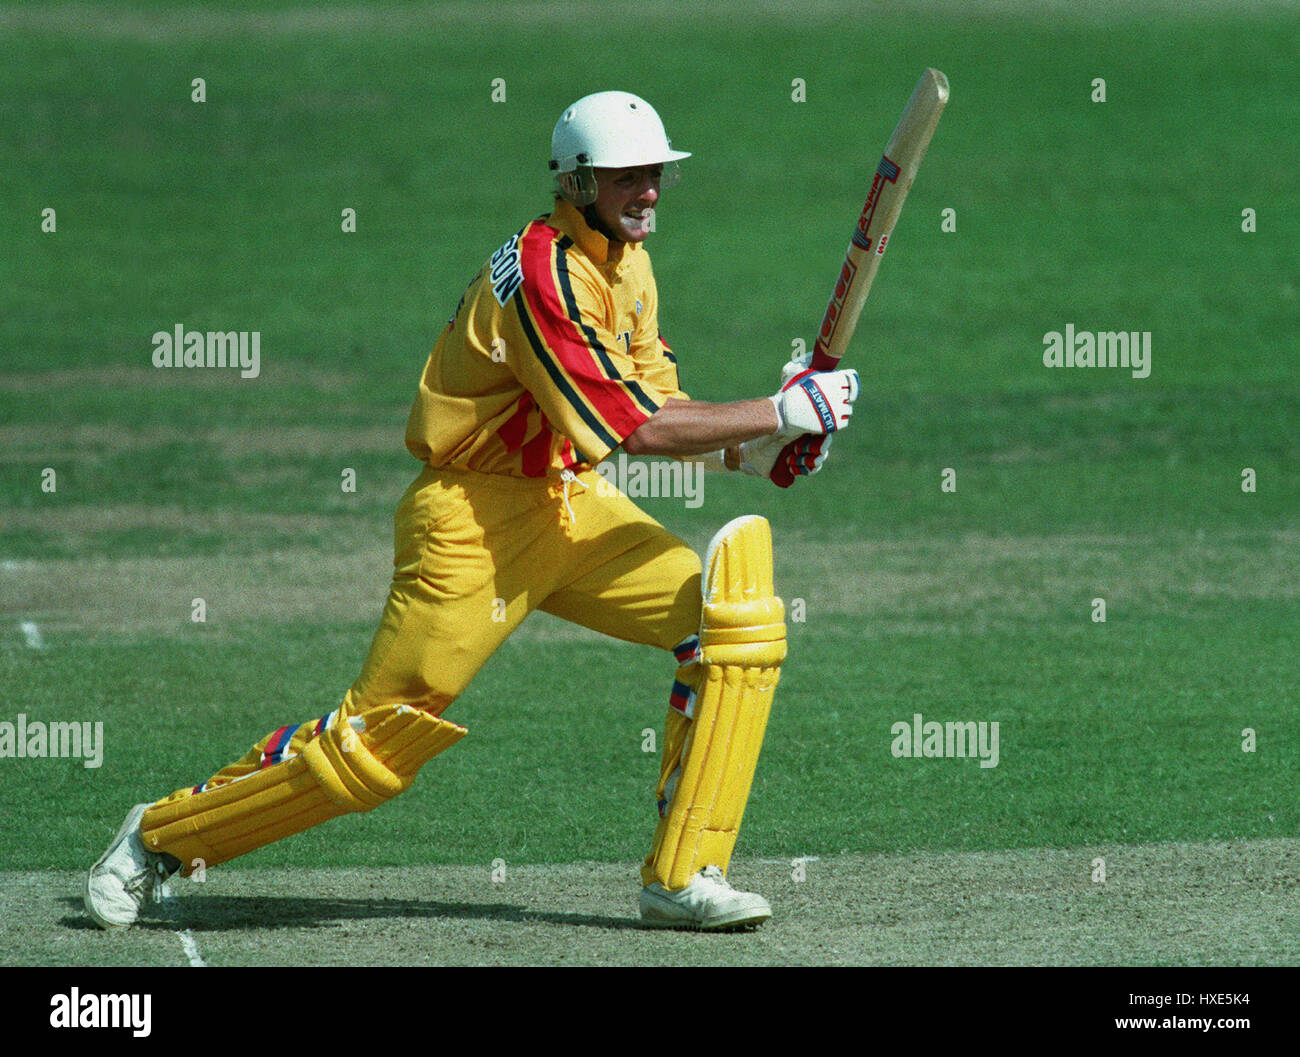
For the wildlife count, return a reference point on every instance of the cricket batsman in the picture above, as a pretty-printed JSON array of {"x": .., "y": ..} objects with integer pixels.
[{"x": 552, "y": 360}]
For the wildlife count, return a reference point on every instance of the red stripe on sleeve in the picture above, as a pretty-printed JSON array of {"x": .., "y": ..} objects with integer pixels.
[{"x": 564, "y": 337}]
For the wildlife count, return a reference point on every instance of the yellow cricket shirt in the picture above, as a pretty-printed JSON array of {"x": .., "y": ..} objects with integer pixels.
[{"x": 552, "y": 358}]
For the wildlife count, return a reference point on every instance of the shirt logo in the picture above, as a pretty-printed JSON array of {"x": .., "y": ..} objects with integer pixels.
[{"x": 638, "y": 306}]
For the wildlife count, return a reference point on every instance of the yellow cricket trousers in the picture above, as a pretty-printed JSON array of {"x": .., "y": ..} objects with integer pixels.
[{"x": 474, "y": 554}]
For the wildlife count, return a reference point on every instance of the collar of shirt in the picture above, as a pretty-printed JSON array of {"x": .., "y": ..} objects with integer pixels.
[{"x": 568, "y": 219}]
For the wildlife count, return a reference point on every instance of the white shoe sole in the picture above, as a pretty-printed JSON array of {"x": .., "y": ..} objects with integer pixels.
[
  {"x": 132, "y": 822},
  {"x": 733, "y": 921}
]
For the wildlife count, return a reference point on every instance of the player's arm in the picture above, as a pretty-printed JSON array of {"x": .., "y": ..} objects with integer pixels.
[
  {"x": 718, "y": 436},
  {"x": 811, "y": 402},
  {"x": 693, "y": 427}
]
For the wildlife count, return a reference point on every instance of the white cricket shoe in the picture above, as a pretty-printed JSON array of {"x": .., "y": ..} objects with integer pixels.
[
  {"x": 707, "y": 903},
  {"x": 122, "y": 882}
]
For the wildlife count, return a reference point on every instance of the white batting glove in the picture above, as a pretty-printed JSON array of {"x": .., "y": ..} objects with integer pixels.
[
  {"x": 759, "y": 457},
  {"x": 815, "y": 402}
]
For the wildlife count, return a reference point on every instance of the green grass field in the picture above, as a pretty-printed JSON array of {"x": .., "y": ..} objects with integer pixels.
[{"x": 1120, "y": 739}]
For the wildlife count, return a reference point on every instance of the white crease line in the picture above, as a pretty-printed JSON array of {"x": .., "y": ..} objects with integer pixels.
[
  {"x": 192, "y": 949},
  {"x": 32, "y": 634},
  {"x": 781, "y": 862}
]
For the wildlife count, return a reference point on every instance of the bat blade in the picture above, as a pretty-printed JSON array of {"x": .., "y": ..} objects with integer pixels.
[{"x": 893, "y": 179}]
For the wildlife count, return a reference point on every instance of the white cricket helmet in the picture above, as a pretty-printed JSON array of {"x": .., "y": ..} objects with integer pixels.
[{"x": 608, "y": 130}]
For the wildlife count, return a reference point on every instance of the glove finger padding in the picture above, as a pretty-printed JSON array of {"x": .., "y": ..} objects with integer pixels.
[
  {"x": 810, "y": 454},
  {"x": 776, "y": 458},
  {"x": 816, "y": 402}
]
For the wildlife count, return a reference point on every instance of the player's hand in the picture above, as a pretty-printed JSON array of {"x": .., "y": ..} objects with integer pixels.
[
  {"x": 807, "y": 454},
  {"x": 815, "y": 402}
]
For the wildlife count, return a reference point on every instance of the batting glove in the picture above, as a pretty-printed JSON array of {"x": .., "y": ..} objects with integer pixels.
[
  {"x": 762, "y": 457},
  {"x": 815, "y": 402}
]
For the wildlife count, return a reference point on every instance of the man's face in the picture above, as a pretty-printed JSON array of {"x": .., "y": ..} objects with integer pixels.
[{"x": 625, "y": 200}]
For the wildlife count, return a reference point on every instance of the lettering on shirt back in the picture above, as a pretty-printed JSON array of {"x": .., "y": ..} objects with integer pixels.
[{"x": 507, "y": 274}]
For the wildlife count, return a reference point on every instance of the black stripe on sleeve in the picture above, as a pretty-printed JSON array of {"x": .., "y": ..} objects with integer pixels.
[
  {"x": 575, "y": 314},
  {"x": 557, "y": 378}
]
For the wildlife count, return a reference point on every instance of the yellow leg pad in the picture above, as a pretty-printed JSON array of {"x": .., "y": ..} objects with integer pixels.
[
  {"x": 339, "y": 771},
  {"x": 743, "y": 645}
]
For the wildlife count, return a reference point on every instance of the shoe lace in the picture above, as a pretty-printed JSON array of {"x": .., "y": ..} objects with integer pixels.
[
  {"x": 148, "y": 883},
  {"x": 714, "y": 874},
  {"x": 139, "y": 886}
]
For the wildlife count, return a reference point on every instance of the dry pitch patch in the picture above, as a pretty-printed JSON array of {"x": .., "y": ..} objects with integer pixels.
[
  {"x": 1163, "y": 904},
  {"x": 974, "y": 578}
]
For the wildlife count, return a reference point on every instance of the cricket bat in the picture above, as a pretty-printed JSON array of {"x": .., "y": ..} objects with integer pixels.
[{"x": 893, "y": 179}]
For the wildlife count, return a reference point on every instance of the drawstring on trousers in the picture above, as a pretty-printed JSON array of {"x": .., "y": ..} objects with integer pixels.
[{"x": 568, "y": 477}]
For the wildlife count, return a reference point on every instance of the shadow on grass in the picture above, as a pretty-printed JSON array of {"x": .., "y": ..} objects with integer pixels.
[{"x": 226, "y": 913}]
